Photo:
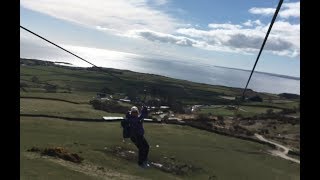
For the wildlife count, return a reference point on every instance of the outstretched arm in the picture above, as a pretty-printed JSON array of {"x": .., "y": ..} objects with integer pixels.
[{"x": 144, "y": 113}]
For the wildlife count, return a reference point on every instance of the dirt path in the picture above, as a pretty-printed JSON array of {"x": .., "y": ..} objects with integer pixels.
[
  {"x": 86, "y": 168},
  {"x": 282, "y": 154}
]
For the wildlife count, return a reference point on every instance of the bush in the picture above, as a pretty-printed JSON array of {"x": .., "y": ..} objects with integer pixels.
[
  {"x": 165, "y": 118},
  {"x": 35, "y": 79},
  {"x": 22, "y": 85},
  {"x": 288, "y": 111},
  {"x": 239, "y": 116},
  {"x": 106, "y": 90},
  {"x": 220, "y": 118},
  {"x": 270, "y": 111},
  {"x": 51, "y": 88},
  {"x": 203, "y": 117},
  {"x": 289, "y": 96},
  {"x": 255, "y": 99},
  {"x": 68, "y": 88},
  {"x": 108, "y": 106}
]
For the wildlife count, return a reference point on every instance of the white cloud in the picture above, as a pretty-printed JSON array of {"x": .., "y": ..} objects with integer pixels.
[
  {"x": 290, "y": 10},
  {"x": 252, "y": 23},
  {"x": 162, "y": 37},
  {"x": 283, "y": 40},
  {"x": 159, "y": 2},
  {"x": 287, "y": 10},
  {"x": 224, "y": 26},
  {"x": 137, "y": 19},
  {"x": 262, "y": 11},
  {"x": 119, "y": 15}
]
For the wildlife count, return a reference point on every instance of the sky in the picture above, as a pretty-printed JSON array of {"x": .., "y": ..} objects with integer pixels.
[{"x": 217, "y": 32}]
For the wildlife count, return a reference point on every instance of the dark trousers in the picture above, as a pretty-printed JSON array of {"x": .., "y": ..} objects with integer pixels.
[{"x": 143, "y": 147}]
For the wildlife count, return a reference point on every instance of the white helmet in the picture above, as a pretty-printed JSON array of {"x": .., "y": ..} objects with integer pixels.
[{"x": 134, "y": 109}]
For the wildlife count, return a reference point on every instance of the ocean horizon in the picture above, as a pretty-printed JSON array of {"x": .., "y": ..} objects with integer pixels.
[{"x": 185, "y": 69}]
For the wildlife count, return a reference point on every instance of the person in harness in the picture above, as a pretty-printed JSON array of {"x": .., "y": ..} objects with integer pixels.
[{"x": 133, "y": 128}]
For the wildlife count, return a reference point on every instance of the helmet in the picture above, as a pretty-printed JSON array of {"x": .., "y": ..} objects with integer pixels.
[{"x": 134, "y": 109}]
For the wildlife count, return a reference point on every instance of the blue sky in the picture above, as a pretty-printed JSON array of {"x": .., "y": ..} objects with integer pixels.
[{"x": 217, "y": 32}]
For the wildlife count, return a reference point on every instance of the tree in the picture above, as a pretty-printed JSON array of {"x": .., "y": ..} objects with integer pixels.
[
  {"x": 238, "y": 115},
  {"x": 35, "y": 79},
  {"x": 256, "y": 98},
  {"x": 51, "y": 88},
  {"x": 203, "y": 117},
  {"x": 68, "y": 88},
  {"x": 289, "y": 96},
  {"x": 177, "y": 107},
  {"x": 132, "y": 94},
  {"x": 220, "y": 118},
  {"x": 270, "y": 111},
  {"x": 106, "y": 90},
  {"x": 23, "y": 85},
  {"x": 108, "y": 106}
]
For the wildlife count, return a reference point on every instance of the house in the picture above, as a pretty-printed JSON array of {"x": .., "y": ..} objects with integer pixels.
[
  {"x": 125, "y": 100},
  {"x": 164, "y": 107},
  {"x": 158, "y": 113},
  {"x": 195, "y": 107},
  {"x": 104, "y": 96}
]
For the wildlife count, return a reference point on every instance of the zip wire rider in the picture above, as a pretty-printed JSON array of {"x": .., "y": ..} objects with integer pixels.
[{"x": 133, "y": 128}]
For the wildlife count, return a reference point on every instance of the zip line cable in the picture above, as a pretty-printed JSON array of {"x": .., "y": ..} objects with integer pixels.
[
  {"x": 67, "y": 51},
  {"x": 264, "y": 42}
]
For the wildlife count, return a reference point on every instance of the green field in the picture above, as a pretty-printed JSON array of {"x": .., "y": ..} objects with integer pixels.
[
  {"x": 58, "y": 108},
  {"x": 90, "y": 82},
  {"x": 245, "y": 111},
  {"x": 219, "y": 156},
  {"x": 77, "y": 97}
]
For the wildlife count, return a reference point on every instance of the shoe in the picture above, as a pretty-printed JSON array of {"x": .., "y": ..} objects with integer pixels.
[{"x": 144, "y": 164}]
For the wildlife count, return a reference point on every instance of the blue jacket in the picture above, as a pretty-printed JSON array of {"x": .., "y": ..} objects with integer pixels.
[{"x": 136, "y": 126}]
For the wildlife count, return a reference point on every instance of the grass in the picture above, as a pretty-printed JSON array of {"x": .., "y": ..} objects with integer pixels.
[
  {"x": 248, "y": 111},
  {"x": 78, "y": 97},
  {"x": 221, "y": 156},
  {"x": 48, "y": 170},
  {"x": 58, "y": 108},
  {"x": 217, "y": 111},
  {"x": 283, "y": 105},
  {"x": 94, "y": 81}
]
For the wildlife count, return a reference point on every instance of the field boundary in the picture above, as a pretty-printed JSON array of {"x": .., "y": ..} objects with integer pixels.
[
  {"x": 186, "y": 124},
  {"x": 55, "y": 99},
  {"x": 77, "y": 119}
]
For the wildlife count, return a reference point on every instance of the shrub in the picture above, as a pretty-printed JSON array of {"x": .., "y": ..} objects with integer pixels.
[
  {"x": 203, "y": 117},
  {"x": 108, "y": 106},
  {"x": 51, "y": 88},
  {"x": 220, "y": 118}
]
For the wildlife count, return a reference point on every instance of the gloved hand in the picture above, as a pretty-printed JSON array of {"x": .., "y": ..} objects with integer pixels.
[
  {"x": 128, "y": 114},
  {"x": 144, "y": 108}
]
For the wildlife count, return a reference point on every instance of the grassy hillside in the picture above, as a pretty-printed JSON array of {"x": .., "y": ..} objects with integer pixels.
[
  {"x": 92, "y": 81},
  {"x": 66, "y": 92},
  {"x": 216, "y": 155}
]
